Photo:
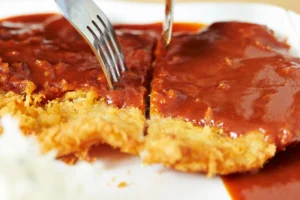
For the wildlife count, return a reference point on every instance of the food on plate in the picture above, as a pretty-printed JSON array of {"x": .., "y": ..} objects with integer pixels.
[
  {"x": 223, "y": 100},
  {"x": 51, "y": 81}
]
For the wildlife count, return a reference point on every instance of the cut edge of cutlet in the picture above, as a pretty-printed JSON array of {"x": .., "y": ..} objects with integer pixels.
[
  {"x": 180, "y": 145},
  {"x": 75, "y": 122}
]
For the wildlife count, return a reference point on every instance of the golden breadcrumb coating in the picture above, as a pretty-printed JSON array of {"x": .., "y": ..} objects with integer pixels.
[
  {"x": 77, "y": 121},
  {"x": 185, "y": 147}
]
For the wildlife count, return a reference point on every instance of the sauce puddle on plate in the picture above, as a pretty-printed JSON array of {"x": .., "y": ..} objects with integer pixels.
[{"x": 278, "y": 180}]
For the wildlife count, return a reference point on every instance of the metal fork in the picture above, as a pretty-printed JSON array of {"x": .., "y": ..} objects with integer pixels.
[{"x": 91, "y": 22}]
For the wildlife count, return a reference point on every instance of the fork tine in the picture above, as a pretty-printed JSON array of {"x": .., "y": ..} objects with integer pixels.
[
  {"x": 110, "y": 49},
  {"x": 113, "y": 37},
  {"x": 102, "y": 59},
  {"x": 114, "y": 47},
  {"x": 103, "y": 51},
  {"x": 100, "y": 36},
  {"x": 108, "y": 52}
]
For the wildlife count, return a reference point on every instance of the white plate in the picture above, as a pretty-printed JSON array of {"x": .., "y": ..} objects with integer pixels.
[{"x": 144, "y": 182}]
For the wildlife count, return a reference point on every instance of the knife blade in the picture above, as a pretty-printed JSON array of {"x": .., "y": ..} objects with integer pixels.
[{"x": 168, "y": 22}]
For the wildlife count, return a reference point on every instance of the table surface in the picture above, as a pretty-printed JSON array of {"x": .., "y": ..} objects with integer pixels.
[{"x": 289, "y": 4}]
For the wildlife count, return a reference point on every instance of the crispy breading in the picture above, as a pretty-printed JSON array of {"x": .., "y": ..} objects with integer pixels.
[
  {"x": 77, "y": 121},
  {"x": 185, "y": 147}
]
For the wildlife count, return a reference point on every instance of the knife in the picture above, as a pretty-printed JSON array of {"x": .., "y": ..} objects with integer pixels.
[{"x": 168, "y": 22}]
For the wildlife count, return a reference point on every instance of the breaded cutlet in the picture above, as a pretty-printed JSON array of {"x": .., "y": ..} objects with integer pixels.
[
  {"x": 223, "y": 100},
  {"x": 52, "y": 82}
]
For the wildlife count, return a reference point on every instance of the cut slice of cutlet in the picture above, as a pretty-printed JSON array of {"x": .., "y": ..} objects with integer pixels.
[
  {"x": 223, "y": 100},
  {"x": 52, "y": 82}
]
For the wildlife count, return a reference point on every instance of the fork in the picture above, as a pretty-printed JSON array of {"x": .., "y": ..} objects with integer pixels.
[{"x": 91, "y": 22}]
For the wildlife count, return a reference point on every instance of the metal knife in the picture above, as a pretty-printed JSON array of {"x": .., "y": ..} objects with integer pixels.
[{"x": 168, "y": 22}]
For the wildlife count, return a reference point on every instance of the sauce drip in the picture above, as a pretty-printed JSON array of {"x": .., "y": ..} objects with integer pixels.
[
  {"x": 279, "y": 179},
  {"x": 233, "y": 76}
]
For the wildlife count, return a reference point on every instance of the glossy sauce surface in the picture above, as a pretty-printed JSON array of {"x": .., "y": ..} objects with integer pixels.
[
  {"x": 44, "y": 54},
  {"x": 233, "y": 76},
  {"x": 278, "y": 180}
]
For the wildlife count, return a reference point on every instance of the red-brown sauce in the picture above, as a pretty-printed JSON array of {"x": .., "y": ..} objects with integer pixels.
[
  {"x": 44, "y": 54},
  {"x": 235, "y": 76},
  {"x": 250, "y": 81},
  {"x": 278, "y": 180},
  {"x": 157, "y": 27}
]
